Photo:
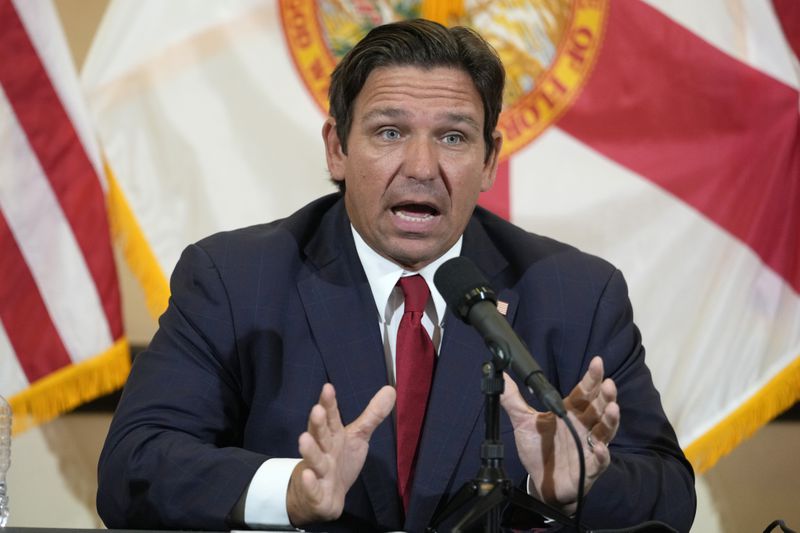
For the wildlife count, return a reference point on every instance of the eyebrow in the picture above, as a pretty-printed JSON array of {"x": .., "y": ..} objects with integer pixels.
[
  {"x": 385, "y": 112},
  {"x": 394, "y": 112},
  {"x": 459, "y": 117}
]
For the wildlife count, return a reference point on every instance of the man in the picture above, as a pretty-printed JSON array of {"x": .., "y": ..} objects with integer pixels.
[{"x": 284, "y": 340}]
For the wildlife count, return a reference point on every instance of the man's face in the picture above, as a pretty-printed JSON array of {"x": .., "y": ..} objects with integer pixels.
[{"x": 415, "y": 161}]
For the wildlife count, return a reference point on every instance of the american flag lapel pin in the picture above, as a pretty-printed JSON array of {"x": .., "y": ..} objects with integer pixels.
[{"x": 502, "y": 307}]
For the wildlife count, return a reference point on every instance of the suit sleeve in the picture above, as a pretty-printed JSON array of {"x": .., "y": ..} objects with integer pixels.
[
  {"x": 173, "y": 456},
  {"x": 648, "y": 478}
]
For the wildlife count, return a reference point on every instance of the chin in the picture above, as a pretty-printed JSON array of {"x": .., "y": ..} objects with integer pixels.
[{"x": 415, "y": 259}]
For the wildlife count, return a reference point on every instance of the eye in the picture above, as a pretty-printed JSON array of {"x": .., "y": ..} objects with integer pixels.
[
  {"x": 389, "y": 134},
  {"x": 453, "y": 138}
]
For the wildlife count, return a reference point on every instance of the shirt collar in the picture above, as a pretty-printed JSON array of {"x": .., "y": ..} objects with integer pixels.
[{"x": 382, "y": 275}]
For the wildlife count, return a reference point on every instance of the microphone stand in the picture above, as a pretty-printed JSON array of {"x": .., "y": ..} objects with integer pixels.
[{"x": 488, "y": 494}]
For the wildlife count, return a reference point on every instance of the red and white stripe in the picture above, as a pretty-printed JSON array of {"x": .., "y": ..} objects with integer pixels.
[{"x": 59, "y": 295}]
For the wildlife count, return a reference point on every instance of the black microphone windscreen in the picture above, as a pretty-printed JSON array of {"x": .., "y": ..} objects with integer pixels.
[{"x": 460, "y": 282}]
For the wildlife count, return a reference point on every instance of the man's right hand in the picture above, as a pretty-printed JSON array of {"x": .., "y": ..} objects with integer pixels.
[{"x": 333, "y": 455}]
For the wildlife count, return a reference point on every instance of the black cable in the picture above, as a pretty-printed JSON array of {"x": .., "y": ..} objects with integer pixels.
[
  {"x": 581, "y": 475},
  {"x": 779, "y": 524}
]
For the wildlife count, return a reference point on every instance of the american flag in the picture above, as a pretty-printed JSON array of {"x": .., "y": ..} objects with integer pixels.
[{"x": 61, "y": 338}]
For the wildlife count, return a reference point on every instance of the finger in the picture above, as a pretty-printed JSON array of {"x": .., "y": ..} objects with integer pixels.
[
  {"x": 607, "y": 394},
  {"x": 327, "y": 399},
  {"x": 514, "y": 404},
  {"x": 608, "y": 390},
  {"x": 602, "y": 458},
  {"x": 318, "y": 425},
  {"x": 588, "y": 387},
  {"x": 313, "y": 456},
  {"x": 311, "y": 485},
  {"x": 606, "y": 428},
  {"x": 324, "y": 420},
  {"x": 378, "y": 408}
]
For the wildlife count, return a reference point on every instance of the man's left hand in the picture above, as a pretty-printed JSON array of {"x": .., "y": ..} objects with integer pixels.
[{"x": 546, "y": 447}]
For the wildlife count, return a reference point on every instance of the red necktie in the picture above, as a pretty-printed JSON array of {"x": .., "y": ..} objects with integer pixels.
[{"x": 414, "y": 362}]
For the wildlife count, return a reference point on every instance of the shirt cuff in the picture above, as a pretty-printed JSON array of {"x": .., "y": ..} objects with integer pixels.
[{"x": 265, "y": 503}]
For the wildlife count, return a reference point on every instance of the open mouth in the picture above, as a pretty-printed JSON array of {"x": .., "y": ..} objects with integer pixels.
[{"x": 415, "y": 212}]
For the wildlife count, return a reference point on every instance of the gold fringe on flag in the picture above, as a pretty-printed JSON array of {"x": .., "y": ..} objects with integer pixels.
[
  {"x": 779, "y": 394},
  {"x": 66, "y": 389},
  {"x": 445, "y": 12},
  {"x": 136, "y": 250}
]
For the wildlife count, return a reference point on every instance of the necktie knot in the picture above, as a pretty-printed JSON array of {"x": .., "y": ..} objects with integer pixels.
[{"x": 415, "y": 293}]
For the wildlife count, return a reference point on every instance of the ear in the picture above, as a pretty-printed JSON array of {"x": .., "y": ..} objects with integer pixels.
[
  {"x": 334, "y": 154},
  {"x": 490, "y": 166}
]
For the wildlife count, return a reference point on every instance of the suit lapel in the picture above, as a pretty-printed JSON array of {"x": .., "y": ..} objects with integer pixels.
[
  {"x": 344, "y": 321},
  {"x": 456, "y": 402}
]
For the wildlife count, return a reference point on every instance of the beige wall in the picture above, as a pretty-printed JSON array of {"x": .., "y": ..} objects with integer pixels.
[{"x": 53, "y": 481}]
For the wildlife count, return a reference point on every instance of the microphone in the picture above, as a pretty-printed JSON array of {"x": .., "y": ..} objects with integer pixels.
[{"x": 472, "y": 299}]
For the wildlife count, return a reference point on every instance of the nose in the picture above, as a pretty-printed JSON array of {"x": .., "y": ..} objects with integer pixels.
[{"x": 421, "y": 160}]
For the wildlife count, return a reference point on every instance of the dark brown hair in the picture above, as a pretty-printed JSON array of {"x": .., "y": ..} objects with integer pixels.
[{"x": 419, "y": 43}]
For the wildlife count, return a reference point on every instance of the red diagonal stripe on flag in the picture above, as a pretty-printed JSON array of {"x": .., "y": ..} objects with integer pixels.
[
  {"x": 61, "y": 155},
  {"x": 23, "y": 312},
  {"x": 716, "y": 133},
  {"x": 788, "y": 12}
]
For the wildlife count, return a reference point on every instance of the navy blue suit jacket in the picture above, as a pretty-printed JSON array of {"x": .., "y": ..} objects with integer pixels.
[{"x": 260, "y": 318}]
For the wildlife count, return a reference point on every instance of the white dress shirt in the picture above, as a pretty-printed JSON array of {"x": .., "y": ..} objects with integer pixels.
[{"x": 265, "y": 503}]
